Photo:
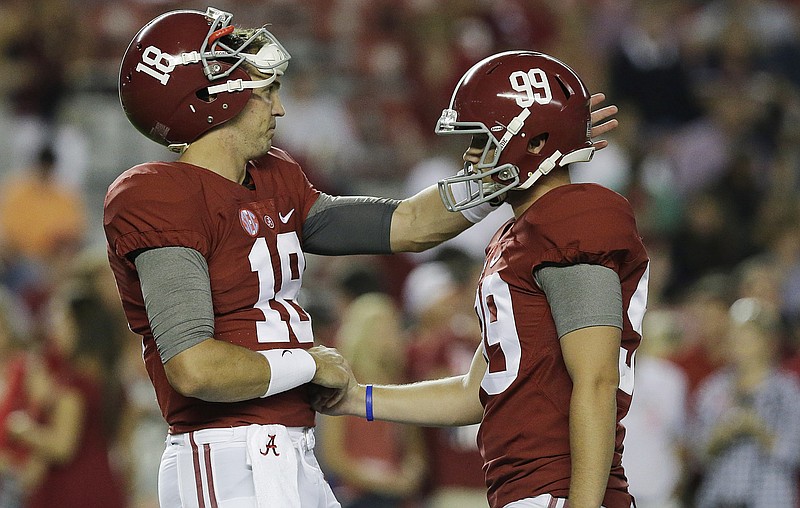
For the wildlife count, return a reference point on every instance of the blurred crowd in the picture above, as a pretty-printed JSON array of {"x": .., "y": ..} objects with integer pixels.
[{"x": 708, "y": 153}]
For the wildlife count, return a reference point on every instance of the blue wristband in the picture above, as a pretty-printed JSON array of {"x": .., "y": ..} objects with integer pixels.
[{"x": 368, "y": 400}]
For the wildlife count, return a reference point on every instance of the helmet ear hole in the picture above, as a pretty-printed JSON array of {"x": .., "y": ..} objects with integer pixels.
[
  {"x": 204, "y": 96},
  {"x": 536, "y": 143}
]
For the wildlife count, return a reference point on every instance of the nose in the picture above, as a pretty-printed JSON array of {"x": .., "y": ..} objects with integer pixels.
[
  {"x": 277, "y": 106},
  {"x": 473, "y": 155}
]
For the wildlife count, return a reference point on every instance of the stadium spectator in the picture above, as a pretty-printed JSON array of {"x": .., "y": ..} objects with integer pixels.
[
  {"x": 746, "y": 418},
  {"x": 35, "y": 71},
  {"x": 704, "y": 317},
  {"x": 646, "y": 70},
  {"x": 706, "y": 242},
  {"x": 137, "y": 444},
  {"x": 42, "y": 225},
  {"x": 319, "y": 130},
  {"x": 64, "y": 408}
]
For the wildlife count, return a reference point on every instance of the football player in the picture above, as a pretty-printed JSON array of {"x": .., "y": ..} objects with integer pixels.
[
  {"x": 560, "y": 299},
  {"x": 208, "y": 255}
]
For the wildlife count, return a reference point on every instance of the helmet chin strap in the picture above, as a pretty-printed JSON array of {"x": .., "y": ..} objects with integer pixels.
[{"x": 557, "y": 160}]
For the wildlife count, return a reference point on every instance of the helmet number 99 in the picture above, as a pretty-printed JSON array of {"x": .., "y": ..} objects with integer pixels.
[
  {"x": 156, "y": 64},
  {"x": 534, "y": 85}
]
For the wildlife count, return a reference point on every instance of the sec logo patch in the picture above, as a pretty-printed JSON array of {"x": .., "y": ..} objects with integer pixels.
[{"x": 249, "y": 221}]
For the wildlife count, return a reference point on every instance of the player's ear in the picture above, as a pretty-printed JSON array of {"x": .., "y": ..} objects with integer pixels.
[{"x": 536, "y": 143}]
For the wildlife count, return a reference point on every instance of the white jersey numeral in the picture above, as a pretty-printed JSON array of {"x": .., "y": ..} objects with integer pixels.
[
  {"x": 636, "y": 309},
  {"x": 495, "y": 308},
  {"x": 534, "y": 85},
  {"x": 275, "y": 328},
  {"x": 499, "y": 330}
]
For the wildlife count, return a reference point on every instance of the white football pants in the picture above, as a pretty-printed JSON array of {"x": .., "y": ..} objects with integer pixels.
[{"x": 209, "y": 469}]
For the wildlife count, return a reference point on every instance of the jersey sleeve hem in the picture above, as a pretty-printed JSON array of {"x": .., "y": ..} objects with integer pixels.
[{"x": 138, "y": 240}]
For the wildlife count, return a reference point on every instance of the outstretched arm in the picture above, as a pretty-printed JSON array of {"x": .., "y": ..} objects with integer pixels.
[
  {"x": 421, "y": 222},
  {"x": 450, "y": 401}
]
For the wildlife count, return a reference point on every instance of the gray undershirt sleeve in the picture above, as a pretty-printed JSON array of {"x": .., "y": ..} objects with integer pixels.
[
  {"x": 338, "y": 225},
  {"x": 581, "y": 296},
  {"x": 177, "y": 297}
]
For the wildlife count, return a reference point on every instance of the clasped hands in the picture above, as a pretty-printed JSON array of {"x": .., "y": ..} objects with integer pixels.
[{"x": 334, "y": 386}]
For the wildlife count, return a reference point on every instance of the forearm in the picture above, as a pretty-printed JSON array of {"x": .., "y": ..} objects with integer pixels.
[
  {"x": 592, "y": 433},
  {"x": 421, "y": 222},
  {"x": 217, "y": 371},
  {"x": 437, "y": 403}
]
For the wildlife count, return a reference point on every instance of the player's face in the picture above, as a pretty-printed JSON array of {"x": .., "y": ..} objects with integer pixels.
[
  {"x": 473, "y": 154},
  {"x": 475, "y": 150},
  {"x": 261, "y": 113}
]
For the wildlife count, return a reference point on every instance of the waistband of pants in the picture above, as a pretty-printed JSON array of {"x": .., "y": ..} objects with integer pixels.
[
  {"x": 544, "y": 501},
  {"x": 540, "y": 501},
  {"x": 302, "y": 437}
]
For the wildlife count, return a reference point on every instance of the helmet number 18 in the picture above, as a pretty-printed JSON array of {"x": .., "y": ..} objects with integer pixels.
[
  {"x": 156, "y": 64},
  {"x": 533, "y": 87}
]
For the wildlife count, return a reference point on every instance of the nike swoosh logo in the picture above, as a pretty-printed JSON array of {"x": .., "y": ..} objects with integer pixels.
[
  {"x": 285, "y": 218},
  {"x": 494, "y": 260}
]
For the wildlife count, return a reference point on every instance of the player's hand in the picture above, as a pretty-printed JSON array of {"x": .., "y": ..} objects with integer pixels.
[
  {"x": 337, "y": 402},
  {"x": 333, "y": 371},
  {"x": 601, "y": 120}
]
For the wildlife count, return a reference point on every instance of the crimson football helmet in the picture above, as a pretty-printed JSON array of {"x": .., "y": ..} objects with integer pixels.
[
  {"x": 179, "y": 77},
  {"x": 512, "y": 98}
]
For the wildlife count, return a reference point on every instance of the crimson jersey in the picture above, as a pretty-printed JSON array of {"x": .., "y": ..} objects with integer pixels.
[
  {"x": 524, "y": 436},
  {"x": 251, "y": 240}
]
